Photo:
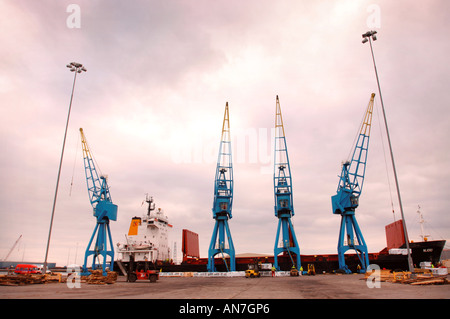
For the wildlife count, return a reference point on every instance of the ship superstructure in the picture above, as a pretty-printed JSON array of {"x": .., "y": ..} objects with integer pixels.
[{"x": 147, "y": 240}]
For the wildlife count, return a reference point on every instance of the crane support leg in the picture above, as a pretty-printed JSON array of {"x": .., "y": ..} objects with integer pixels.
[
  {"x": 289, "y": 242},
  {"x": 348, "y": 231},
  {"x": 103, "y": 232},
  {"x": 217, "y": 245}
]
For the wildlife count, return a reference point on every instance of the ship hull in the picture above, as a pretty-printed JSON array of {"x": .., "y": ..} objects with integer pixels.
[
  {"x": 426, "y": 251},
  {"x": 421, "y": 251}
]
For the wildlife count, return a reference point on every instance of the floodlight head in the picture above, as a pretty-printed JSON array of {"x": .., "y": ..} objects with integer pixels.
[
  {"x": 369, "y": 34},
  {"x": 76, "y": 67}
]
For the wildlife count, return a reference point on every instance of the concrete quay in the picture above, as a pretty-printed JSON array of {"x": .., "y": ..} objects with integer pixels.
[{"x": 324, "y": 286}]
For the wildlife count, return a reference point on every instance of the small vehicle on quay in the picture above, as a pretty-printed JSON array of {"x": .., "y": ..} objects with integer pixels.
[
  {"x": 152, "y": 275},
  {"x": 24, "y": 269}
]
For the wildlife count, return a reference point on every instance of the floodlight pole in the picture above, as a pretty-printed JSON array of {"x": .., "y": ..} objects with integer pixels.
[
  {"x": 368, "y": 36},
  {"x": 77, "y": 68}
]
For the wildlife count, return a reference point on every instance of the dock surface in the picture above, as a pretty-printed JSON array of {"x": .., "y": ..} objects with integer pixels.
[{"x": 326, "y": 286}]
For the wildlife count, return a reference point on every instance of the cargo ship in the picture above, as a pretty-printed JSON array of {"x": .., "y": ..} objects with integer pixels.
[
  {"x": 393, "y": 256},
  {"x": 147, "y": 247}
]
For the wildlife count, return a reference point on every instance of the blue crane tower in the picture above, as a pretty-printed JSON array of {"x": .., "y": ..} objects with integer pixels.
[
  {"x": 349, "y": 190},
  {"x": 284, "y": 206},
  {"x": 104, "y": 211},
  {"x": 223, "y": 200}
]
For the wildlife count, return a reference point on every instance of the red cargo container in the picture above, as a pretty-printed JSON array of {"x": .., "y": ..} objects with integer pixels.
[
  {"x": 190, "y": 244},
  {"x": 395, "y": 236}
]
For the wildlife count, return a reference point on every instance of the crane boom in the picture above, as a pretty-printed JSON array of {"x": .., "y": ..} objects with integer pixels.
[
  {"x": 97, "y": 187},
  {"x": 347, "y": 195},
  {"x": 103, "y": 209},
  {"x": 223, "y": 185}
]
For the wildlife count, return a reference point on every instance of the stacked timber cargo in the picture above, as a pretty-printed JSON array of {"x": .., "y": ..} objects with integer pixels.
[
  {"x": 420, "y": 278},
  {"x": 28, "y": 279},
  {"x": 96, "y": 278}
]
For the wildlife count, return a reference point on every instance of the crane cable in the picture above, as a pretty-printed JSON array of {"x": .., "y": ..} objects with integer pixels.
[
  {"x": 358, "y": 132},
  {"x": 349, "y": 157},
  {"x": 75, "y": 160},
  {"x": 385, "y": 162},
  {"x": 73, "y": 170},
  {"x": 97, "y": 167},
  {"x": 224, "y": 260}
]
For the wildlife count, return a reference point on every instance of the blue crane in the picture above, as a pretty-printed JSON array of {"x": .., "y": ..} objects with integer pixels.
[
  {"x": 284, "y": 205},
  {"x": 104, "y": 211},
  {"x": 346, "y": 199},
  {"x": 223, "y": 200}
]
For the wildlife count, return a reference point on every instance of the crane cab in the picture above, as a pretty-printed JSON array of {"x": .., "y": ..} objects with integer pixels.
[{"x": 106, "y": 209}]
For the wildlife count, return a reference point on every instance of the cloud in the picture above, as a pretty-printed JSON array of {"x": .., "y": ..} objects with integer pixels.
[{"x": 152, "y": 102}]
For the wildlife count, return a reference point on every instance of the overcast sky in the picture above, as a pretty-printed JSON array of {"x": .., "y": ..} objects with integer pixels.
[{"x": 152, "y": 101}]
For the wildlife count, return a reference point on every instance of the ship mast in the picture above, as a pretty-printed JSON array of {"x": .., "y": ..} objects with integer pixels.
[
  {"x": 421, "y": 222},
  {"x": 151, "y": 205}
]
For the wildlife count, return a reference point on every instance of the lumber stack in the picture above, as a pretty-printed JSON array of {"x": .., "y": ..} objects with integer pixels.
[
  {"x": 385, "y": 274},
  {"x": 96, "y": 277},
  {"x": 420, "y": 278},
  {"x": 28, "y": 279},
  {"x": 53, "y": 277},
  {"x": 427, "y": 280}
]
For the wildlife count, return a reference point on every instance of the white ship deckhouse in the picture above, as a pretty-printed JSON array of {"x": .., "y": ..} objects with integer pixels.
[{"x": 148, "y": 238}]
